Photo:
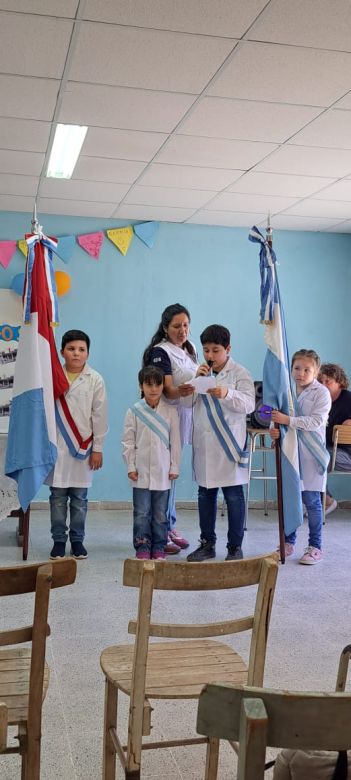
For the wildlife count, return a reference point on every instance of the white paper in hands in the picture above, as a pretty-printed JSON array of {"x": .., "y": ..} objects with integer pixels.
[{"x": 203, "y": 383}]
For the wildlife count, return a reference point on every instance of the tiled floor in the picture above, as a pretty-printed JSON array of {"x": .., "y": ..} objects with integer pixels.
[{"x": 310, "y": 625}]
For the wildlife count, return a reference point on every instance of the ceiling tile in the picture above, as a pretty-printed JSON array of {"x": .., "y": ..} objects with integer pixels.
[
  {"x": 284, "y": 74},
  {"x": 228, "y": 18},
  {"x": 67, "y": 8},
  {"x": 279, "y": 184},
  {"x": 231, "y": 201},
  {"x": 148, "y": 59},
  {"x": 104, "y": 169},
  {"x": 16, "y": 203},
  {"x": 213, "y": 153},
  {"x": 28, "y": 98},
  {"x": 27, "y": 163},
  {"x": 24, "y": 134},
  {"x": 122, "y": 144},
  {"x": 304, "y": 160},
  {"x": 18, "y": 185},
  {"x": 162, "y": 196},
  {"x": 342, "y": 227},
  {"x": 300, "y": 23},
  {"x": 106, "y": 192},
  {"x": 344, "y": 103},
  {"x": 333, "y": 209},
  {"x": 160, "y": 175},
  {"x": 285, "y": 222},
  {"x": 332, "y": 129},
  {"x": 33, "y": 45},
  {"x": 131, "y": 109},
  {"x": 162, "y": 213},
  {"x": 245, "y": 119},
  {"x": 75, "y": 208},
  {"x": 341, "y": 190},
  {"x": 226, "y": 218}
]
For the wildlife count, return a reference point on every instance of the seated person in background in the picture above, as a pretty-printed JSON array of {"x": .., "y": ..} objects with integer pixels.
[{"x": 334, "y": 378}]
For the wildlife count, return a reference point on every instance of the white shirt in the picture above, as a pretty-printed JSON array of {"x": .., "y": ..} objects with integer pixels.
[
  {"x": 146, "y": 453},
  {"x": 184, "y": 368},
  {"x": 87, "y": 402},
  {"x": 315, "y": 403}
]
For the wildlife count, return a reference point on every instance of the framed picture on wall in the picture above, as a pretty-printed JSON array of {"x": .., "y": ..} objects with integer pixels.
[{"x": 10, "y": 325}]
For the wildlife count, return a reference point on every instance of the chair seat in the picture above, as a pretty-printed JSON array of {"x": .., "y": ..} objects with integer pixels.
[
  {"x": 14, "y": 682},
  {"x": 176, "y": 670}
]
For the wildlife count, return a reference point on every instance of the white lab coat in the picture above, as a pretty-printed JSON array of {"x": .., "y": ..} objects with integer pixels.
[
  {"x": 315, "y": 402},
  {"x": 87, "y": 402},
  {"x": 146, "y": 453},
  {"x": 183, "y": 370},
  {"x": 212, "y": 467}
]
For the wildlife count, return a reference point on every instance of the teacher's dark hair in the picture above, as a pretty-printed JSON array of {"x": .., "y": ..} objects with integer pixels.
[{"x": 166, "y": 317}]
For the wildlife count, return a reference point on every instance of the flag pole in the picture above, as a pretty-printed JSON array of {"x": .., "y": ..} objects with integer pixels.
[
  {"x": 36, "y": 228},
  {"x": 277, "y": 448}
]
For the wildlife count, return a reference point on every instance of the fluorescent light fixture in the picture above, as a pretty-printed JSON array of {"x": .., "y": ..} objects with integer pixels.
[{"x": 65, "y": 150}]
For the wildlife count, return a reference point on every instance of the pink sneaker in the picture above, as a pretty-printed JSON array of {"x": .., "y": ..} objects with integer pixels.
[
  {"x": 311, "y": 555},
  {"x": 171, "y": 548},
  {"x": 289, "y": 549},
  {"x": 143, "y": 555},
  {"x": 158, "y": 556},
  {"x": 179, "y": 540}
]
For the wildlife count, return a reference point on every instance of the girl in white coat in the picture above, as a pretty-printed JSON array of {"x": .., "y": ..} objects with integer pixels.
[{"x": 312, "y": 405}]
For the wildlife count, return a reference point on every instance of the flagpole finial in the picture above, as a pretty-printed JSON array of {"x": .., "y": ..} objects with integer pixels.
[
  {"x": 36, "y": 228},
  {"x": 269, "y": 229}
]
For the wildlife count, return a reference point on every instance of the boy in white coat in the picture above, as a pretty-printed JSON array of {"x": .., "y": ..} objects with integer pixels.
[
  {"x": 219, "y": 442},
  {"x": 151, "y": 451}
]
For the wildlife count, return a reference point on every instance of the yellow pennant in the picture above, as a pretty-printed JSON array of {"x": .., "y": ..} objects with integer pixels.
[
  {"x": 121, "y": 237},
  {"x": 22, "y": 245}
]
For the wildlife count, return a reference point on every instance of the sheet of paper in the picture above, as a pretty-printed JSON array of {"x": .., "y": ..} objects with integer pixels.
[{"x": 203, "y": 383}]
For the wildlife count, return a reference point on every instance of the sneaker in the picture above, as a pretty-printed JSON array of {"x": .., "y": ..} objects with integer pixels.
[
  {"x": 178, "y": 539},
  {"x": 202, "y": 553},
  {"x": 143, "y": 555},
  {"x": 159, "y": 555},
  {"x": 78, "y": 551},
  {"x": 58, "y": 550},
  {"x": 331, "y": 507},
  {"x": 234, "y": 553},
  {"x": 171, "y": 548},
  {"x": 289, "y": 549},
  {"x": 311, "y": 555}
]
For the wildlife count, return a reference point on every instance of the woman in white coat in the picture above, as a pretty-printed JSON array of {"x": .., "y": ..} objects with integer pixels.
[{"x": 171, "y": 351}]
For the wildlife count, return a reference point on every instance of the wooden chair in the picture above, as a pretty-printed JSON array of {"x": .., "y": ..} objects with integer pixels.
[
  {"x": 259, "y": 718},
  {"x": 3, "y": 726},
  {"x": 24, "y": 675},
  {"x": 341, "y": 435},
  {"x": 180, "y": 669}
]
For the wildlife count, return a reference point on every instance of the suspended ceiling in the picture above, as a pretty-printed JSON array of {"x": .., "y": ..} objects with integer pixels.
[{"x": 199, "y": 111}]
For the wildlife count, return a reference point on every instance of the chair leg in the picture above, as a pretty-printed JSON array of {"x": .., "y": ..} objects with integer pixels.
[
  {"x": 110, "y": 721},
  {"x": 26, "y": 516},
  {"x": 33, "y": 760},
  {"x": 212, "y": 754}
]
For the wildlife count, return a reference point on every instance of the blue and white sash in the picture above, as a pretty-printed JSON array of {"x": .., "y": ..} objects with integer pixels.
[
  {"x": 313, "y": 443},
  {"x": 224, "y": 435},
  {"x": 154, "y": 421}
]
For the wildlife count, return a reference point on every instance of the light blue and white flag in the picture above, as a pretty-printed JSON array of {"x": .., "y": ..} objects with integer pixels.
[{"x": 277, "y": 381}]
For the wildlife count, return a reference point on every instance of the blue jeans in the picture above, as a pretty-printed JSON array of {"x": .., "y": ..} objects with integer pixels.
[
  {"x": 234, "y": 497},
  {"x": 313, "y": 503},
  {"x": 150, "y": 526},
  {"x": 78, "y": 505}
]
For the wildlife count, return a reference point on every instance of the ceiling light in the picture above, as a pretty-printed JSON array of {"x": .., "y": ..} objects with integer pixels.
[{"x": 65, "y": 150}]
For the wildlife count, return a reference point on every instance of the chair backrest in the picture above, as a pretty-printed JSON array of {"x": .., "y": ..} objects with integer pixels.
[
  {"x": 163, "y": 575},
  {"x": 258, "y": 718},
  {"x": 342, "y": 434}
]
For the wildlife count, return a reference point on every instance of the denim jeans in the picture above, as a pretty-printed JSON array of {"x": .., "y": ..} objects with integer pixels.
[
  {"x": 234, "y": 498},
  {"x": 78, "y": 505},
  {"x": 313, "y": 503},
  {"x": 150, "y": 525}
]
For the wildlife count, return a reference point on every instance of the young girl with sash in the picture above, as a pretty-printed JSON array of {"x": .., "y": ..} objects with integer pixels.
[
  {"x": 151, "y": 451},
  {"x": 312, "y": 404}
]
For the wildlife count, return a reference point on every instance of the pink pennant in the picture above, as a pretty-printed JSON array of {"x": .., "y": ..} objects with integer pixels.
[
  {"x": 7, "y": 250},
  {"x": 91, "y": 243}
]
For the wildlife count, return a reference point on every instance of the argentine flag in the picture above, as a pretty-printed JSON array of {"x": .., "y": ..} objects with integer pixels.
[
  {"x": 39, "y": 378},
  {"x": 277, "y": 381}
]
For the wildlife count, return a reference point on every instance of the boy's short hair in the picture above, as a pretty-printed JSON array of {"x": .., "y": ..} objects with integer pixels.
[
  {"x": 334, "y": 371},
  {"x": 151, "y": 376},
  {"x": 75, "y": 335},
  {"x": 216, "y": 334}
]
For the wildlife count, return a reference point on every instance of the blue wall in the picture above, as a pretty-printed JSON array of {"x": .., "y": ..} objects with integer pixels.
[{"x": 214, "y": 272}]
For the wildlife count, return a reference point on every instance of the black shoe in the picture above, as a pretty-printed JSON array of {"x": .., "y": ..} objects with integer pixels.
[
  {"x": 78, "y": 551},
  {"x": 58, "y": 550},
  {"x": 202, "y": 553},
  {"x": 234, "y": 553}
]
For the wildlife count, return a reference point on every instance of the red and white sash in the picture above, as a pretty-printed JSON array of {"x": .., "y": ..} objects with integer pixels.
[{"x": 79, "y": 448}]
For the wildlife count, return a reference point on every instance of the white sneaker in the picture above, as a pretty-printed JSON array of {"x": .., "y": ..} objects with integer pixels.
[{"x": 331, "y": 507}]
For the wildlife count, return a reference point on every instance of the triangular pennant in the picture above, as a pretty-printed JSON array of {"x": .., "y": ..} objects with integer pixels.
[
  {"x": 7, "y": 250},
  {"x": 147, "y": 232},
  {"x": 121, "y": 237},
  {"x": 91, "y": 243},
  {"x": 65, "y": 248},
  {"x": 22, "y": 245}
]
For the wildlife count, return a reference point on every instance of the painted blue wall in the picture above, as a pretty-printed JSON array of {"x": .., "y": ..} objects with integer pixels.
[{"x": 214, "y": 272}]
